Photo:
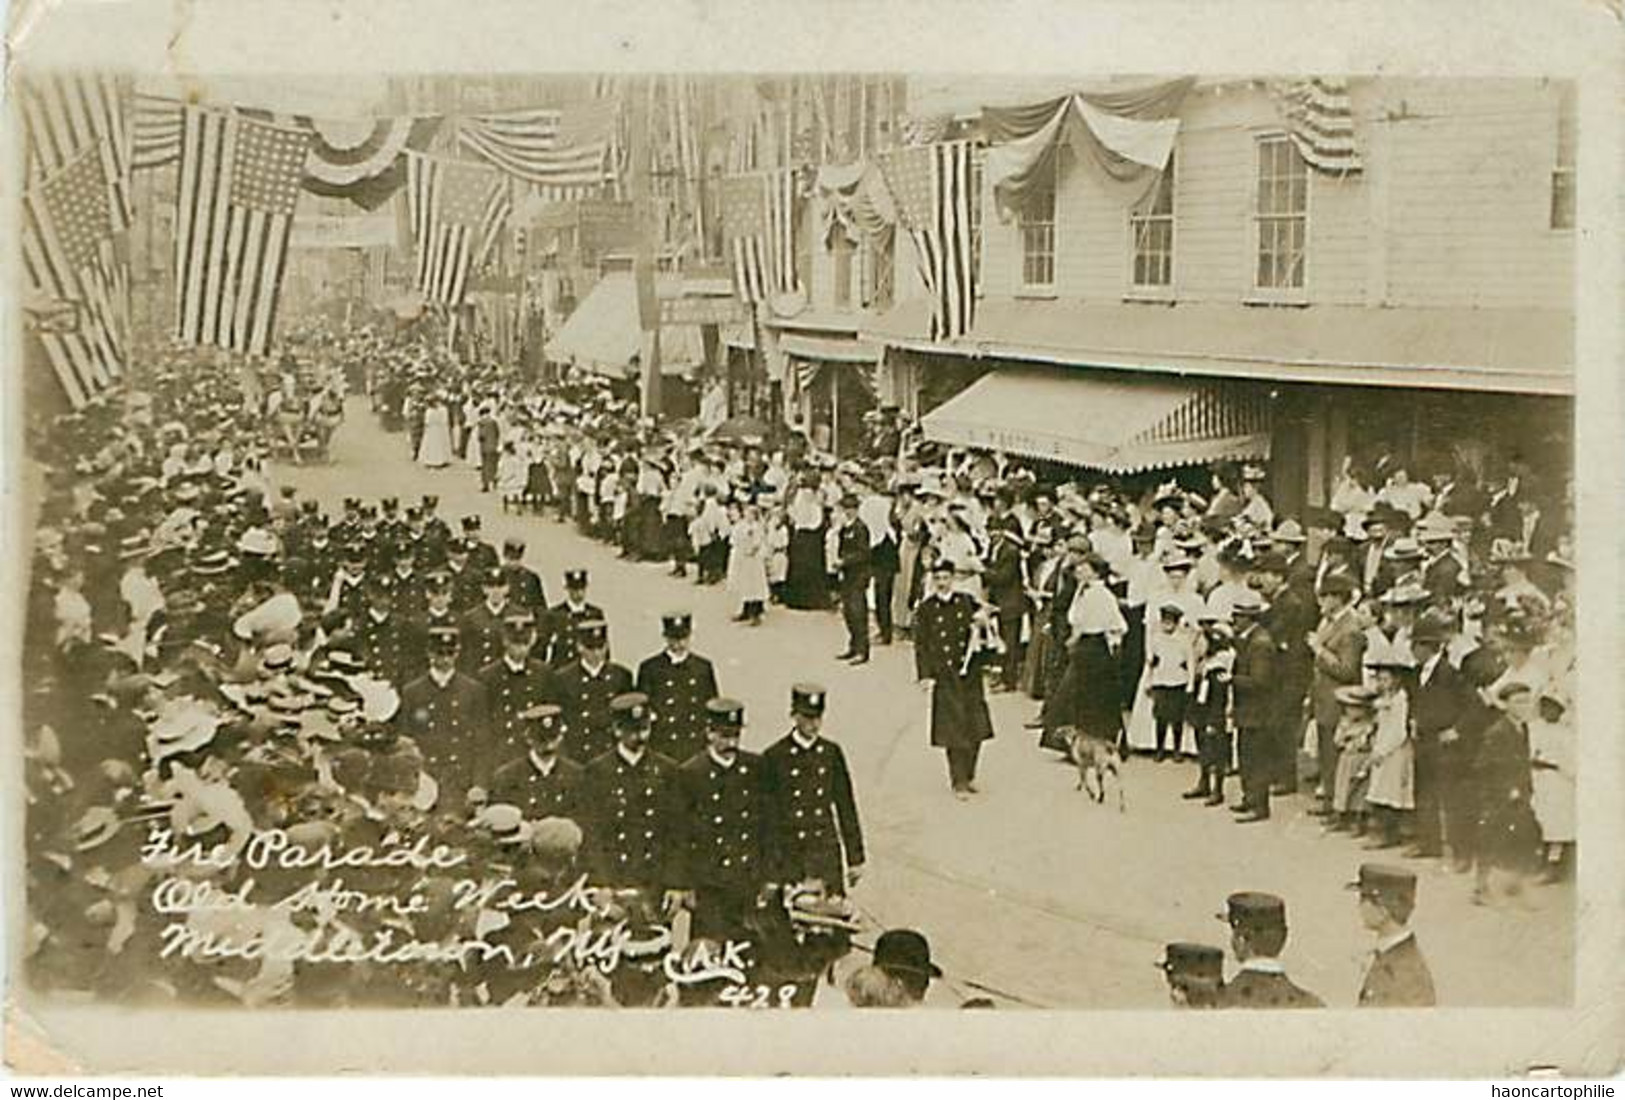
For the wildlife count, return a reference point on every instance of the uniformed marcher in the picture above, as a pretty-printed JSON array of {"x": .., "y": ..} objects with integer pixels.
[
  {"x": 410, "y": 598},
  {"x": 1195, "y": 973},
  {"x": 1258, "y": 936},
  {"x": 1397, "y": 975},
  {"x": 721, "y": 803},
  {"x": 465, "y": 577},
  {"x": 679, "y": 683},
  {"x": 347, "y": 593},
  {"x": 445, "y": 713},
  {"x": 629, "y": 802},
  {"x": 482, "y": 627},
  {"x": 524, "y": 584},
  {"x": 438, "y": 614},
  {"x": 559, "y": 632},
  {"x": 385, "y": 636},
  {"x": 813, "y": 827},
  {"x": 541, "y": 780},
  {"x": 852, "y": 569},
  {"x": 947, "y": 654},
  {"x": 515, "y": 683},
  {"x": 587, "y": 685}
]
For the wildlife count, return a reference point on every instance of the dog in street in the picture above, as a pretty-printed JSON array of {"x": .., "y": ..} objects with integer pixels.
[{"x": 1096, "y": 762}]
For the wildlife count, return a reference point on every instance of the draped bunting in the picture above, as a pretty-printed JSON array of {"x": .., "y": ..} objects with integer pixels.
[
  {"x": 1126, "y": 135},
  {"x": 1320, "y": 122},
  {"x": 546, "y": 146},
  {"x": 855, "y": 199}
]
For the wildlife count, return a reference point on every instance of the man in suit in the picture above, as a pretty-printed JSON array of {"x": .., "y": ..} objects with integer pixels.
[
  {"x": 444, "y": 713},
  {"x": 587, "y": 685},
  {"x": 524, "y": 583},
  {"x": 1257, "y": 937},
  {"x": 540, "y": 780},
  {"x": 852, "y": 554},
  {"x": 1397, "y": 975},
  {"x": 566, "y": 616},
  {"x": 629, "y": 803},
  {"x": 1006, "y": 582},
  {"x": 1435, "y": 706},
  {"x": 482, "y": 626},
  {"x": 678, "y": 682},
  {"x": 515, "y": 683},
  {"x": 1338, "y": 649},
  {"x": 1292, "y": 616},
  {"x": 1289, "y": 541},
  {"x": 813, "y": 828},
  {"x": 721, "y": 854},
  {"x": 1254, "y": 710},
  {"x": 877, "y": 512}
]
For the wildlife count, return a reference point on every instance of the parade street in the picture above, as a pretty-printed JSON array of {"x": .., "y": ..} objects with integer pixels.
[{"x": 1031, "y": 893}]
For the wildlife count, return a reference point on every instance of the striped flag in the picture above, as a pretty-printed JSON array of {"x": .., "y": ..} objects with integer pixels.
[
  {"x": 69, "y": 263},
  {"x": 781, "y": 227},
  {"x": 64, "y": 115},
  {"x": 1320, "y": 122},
  {"x": 448, "y": 204},
  {"x": 544, "y": 145},
  {"x": 156, "y": 124},
  {"x": 494, "y": 218},
  {"x": 932, "y": 188},
  {"x": 238, "y": 186},
  {"x": 744, "y": 228}
]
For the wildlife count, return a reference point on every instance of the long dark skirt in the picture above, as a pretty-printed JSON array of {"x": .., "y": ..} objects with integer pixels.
[
  {"x": 807, "y": 587},
  {"x": 1090, "y": 692},
  {"x": 1131, "y": 659}
]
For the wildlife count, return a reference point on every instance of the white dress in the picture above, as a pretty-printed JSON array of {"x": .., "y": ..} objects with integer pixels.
[
  {"x": 747, "y": 563},
  {"x": 435, "y": 449},
  {"x": 1552, "y": 794},
  {"x": 1393, "y": 759}
]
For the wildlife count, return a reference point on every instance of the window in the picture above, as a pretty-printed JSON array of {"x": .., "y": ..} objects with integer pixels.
[
  {"x": 1281, "y": 214},
  {"x": 1152, "y": 228},
  {"x": 978, "y": 160},
  {"x": 1563, "y": 169},
  {"x": 841, "y": 253},
  {"x": 1037, "y": 224}
]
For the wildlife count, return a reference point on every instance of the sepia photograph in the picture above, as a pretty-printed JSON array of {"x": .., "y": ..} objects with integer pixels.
[{"x": 795, "y": 541}]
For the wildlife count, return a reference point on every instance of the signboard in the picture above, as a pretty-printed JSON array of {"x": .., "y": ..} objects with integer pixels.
[
  {"x": 702, "y": 311},
  {"x": 344, "y": 231}
]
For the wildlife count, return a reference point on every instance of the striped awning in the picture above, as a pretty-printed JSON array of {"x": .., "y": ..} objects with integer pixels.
[{"x": 1082, "y": 418}]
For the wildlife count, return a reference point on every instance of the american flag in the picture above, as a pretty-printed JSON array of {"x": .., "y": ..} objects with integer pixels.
[
  {"x": 932, "y": 187},
  {"x": 238, "y": 186},
  {"x": 744, "y": 227},
  {"x": 1320, "y": 122},
  {"x": 65, "y": 114},
  {"x": 494, "y": 218},
  {"x": 449, "y": 204},
  {"x": 69, "y": 258},
  {"x": 558, "y": 148},
  {"x": 156, "y": 124}
]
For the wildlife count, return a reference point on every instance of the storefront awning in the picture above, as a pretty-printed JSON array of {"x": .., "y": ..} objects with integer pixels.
[
  {"x": 829, "y": 349},
  {"x": 1119, "y": 426},
  {"x": 603, "y": 336}
]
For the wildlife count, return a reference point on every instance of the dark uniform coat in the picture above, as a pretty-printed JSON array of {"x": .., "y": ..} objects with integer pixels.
[
  {"x": 519, "y": 782},
  {"x": 390, "y": 647},
  {"x": 721, "y": 855},
  {"x": 632, "y": 828},
  {"x": 1266, "y": 989},
  {"x": 411, "y": 598},
  {"x": 419, "y": 644},
  {"x": 942, "y": 630},
  {"x": 449, "y": 725},
  {"x": 812, "y": 815},
  {"x": 509, "y": 694},
  {"x": 585, "y": 697},
  {"x": 678, "y": 692},
  {"x": 559, "y": 630},
  {"x": 482, "y": 636},
  {"x": 1398, "y": 977},
  {"x": 525, "y": 588}
]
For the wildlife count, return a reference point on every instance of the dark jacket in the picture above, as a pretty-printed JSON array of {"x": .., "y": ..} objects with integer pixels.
[
  {"x": 1258, "y": 989},
  {"x": 723, "y": 811},
  {"x": 558, "y": 633},
  {"x": 585, "y": 698},
  {"x": 450, "y": 726},
  {"x": 678, "y": 692},
  {"x": 1254, "y": 686},
  {"x": 852, "y": 556},
  {"x": 1398, "y": 978},
  {"x": 509, "y": 694},
  {"x": 557, "y": 794},
  {"x": 812, "y": 814},
  {"x": 632, "y": 826}
]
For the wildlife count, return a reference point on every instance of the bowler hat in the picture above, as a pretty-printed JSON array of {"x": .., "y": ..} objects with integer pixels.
[{"x": 906, "y": 950}]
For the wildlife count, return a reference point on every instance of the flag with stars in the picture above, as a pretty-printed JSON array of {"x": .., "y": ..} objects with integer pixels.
[
  {"x": 453, "y": 207},
  {"x": 238, "y": 186},
  {"x": 69, "y": 263},
  {"x": 744, "y": 227},
  {"x": 932, "y": 186}
]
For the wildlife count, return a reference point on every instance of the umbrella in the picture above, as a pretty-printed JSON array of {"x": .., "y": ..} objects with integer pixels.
[{"x": 738, "y": 429}]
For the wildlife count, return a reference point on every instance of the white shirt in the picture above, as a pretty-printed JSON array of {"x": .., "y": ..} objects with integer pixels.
[
  {"x": 632, "y": 758},
  {"x": 1094, "y": 610}
]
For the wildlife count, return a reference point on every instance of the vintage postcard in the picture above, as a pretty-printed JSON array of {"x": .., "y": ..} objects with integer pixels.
[{"x": 754, "y": 514}]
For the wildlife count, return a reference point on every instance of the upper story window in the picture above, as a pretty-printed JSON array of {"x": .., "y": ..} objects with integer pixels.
[
  {"x": 1281, "y": 215},
  {"x": 1036, "y": 220},
  {"x": 1152, "y": 227},
  {"x": 1563, "y": 169}
]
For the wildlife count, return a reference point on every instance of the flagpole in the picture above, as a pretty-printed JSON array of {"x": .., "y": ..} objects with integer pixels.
[{"x": 643, "y": 272}]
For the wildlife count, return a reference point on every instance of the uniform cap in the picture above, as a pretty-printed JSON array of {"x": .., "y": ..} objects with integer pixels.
[
  {"x": 807, "y": 699},
  {"x": 471, "y": 523},
  {"x": 494, "y": 579},
  {"x": 1382, "y": 880},
  {"x": 677, "y": 624},
  {"x": 544, "y": 718},
  {"x": 630, "y": 710},
  {"x": 513, "y": 547},
  {"x": 575, "y": 578},
  {"x": 443, "y": 639},
  {"x": 1253, "y": 909},
  {"x": 1196, "y": 960},
  {"x": 592, "y": 633},
  {"x": 726, "y": 713}
]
